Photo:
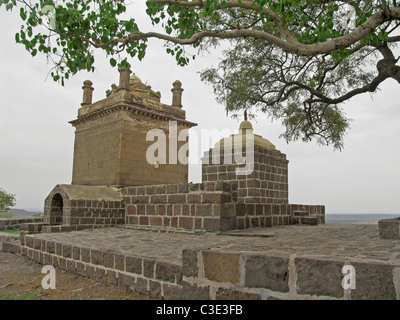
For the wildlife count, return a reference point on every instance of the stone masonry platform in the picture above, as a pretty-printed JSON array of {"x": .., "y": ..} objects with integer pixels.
[{"x": 283, "y": 262}]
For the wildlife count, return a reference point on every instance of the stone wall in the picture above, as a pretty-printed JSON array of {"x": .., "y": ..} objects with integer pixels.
[
  {"x": 16, "y": 223},
  {"x": 256, "y": 276},
  {"x": 268, "y": 183},
  {"x": 209, "y": 206},
  {"x": 189, "y": 206},
  {"x": 158, "y": 278}
]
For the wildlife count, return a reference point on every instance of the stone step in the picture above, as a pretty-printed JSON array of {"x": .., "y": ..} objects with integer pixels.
[
  {"x": 312, "y": 221},
  {"x": 300, "y": 213}
]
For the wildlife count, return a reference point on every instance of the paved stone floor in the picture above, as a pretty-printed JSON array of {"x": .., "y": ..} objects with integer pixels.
[{"x": 338, "y": 241}]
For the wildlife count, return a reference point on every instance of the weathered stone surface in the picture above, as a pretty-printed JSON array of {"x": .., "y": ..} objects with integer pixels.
[
  {"x": 319, "y": 277},
  {"x": 389, "y": 228},
  {"x": 373, "y": 282},
  {"x": 172, "y": 292},
  {"x": 264, "y": 271},
  {"x": 216, "y": 268},
  {"x": 167, "y": 271},
  {"x": 231, "y": 294},
  {"x": 193, "y": 291},
  {"x": 134, "y": 264},
  {"x": 190, "y": 263}
]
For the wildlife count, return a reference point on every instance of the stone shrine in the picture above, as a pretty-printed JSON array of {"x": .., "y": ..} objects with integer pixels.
[{"x": 114, "y": 183}]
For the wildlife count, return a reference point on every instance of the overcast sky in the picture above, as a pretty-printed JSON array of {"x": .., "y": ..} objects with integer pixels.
[{"x": 36, "y": 145}]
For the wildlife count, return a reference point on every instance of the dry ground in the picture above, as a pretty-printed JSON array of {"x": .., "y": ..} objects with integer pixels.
[{"x": 21, "y": 279}]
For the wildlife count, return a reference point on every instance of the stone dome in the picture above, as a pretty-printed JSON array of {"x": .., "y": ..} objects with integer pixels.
[{"x": 236, "y": 139}]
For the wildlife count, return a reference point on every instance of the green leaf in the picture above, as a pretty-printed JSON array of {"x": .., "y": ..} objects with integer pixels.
[{"x": 113, "y": 62}]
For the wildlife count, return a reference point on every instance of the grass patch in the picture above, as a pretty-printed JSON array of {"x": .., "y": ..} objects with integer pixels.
[
  {"x": 23, "y": 296},
  {"x": 18, "y": 232}
]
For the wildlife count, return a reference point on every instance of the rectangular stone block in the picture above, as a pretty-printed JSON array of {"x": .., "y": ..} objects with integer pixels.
[
  {"x": 232, "y": 294},
  {"x": 167, "y": 271},
  {"x": 172, "y": 292},
  {"x": 270, "y": 272},
  {"x": 186, "y": 223},
  {"x": 319, "y": 277},
  {"x": 204, "y": 210},
  {"x": 148, "y": 267},
  {"x": 373, "y": 281},
  {"x": 108, "y": 259},
  {"x": 215, "y": 266},
  {"x": 192, "y": 291},
  {"x": 96, "y": 257},
  {"x": 119, "y": 261},
  {"x": 177, "y": 198},
  {"x": 190, "y": 263},
  {"x": 389, "y": 228},
  {"x": 134, "y": 264}
]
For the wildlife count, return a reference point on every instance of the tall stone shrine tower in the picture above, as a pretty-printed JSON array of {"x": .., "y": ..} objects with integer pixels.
[{"x": 112, "y": 139}]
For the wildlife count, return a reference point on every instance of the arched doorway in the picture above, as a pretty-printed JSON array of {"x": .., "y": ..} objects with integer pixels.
[{"x": 56, "y": 214}]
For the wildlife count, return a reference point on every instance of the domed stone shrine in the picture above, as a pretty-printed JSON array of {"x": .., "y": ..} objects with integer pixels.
[{"x": 245, "y": 178}]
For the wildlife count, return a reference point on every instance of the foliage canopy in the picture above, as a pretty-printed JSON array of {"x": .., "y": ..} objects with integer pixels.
[{"x": 296, "y": 60}]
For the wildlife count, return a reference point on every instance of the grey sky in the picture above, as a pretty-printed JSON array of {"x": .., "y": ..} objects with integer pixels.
[{"x": 36, "y": 146}]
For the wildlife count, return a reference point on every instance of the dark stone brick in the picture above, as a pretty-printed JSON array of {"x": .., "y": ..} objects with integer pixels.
[
  {"x": 67, "y": 251},
  {"x": 172, "y": 292},
  {"x": 319, "y": 277},
  {"x": 119, "y": 262},
  {"x": 204, "y": 210},
  {"x": 189, "y": 263},
  {"x": 111, "y": 278},
  {"x": 100, "y": 275},
  {"x": 85, "y": 254},
  {"x": 195, "y": 292},
  {"x": 51, "y": 247},
  {"x": 158, "y": 199},
  {"x": 126, "y": 281},
  {"x": 148, "y": 267},
  {"x": 389, "y": 228},
  {"x": 183, "y": 188},
  {"x": 70, "y": 267},
  {"x": 167, "y": 271},
  {"x": 186, "y": 223},
  {"x": 134, "y": 264},
  {"x": 155, "y": 289},
  {"x": 177, "y": 198},
  {"x": 262, "y": 271},
  {"x": 374, "y": 281},
  {"x": 141, "y": 286},
  {"x": 211, "y": 224},
  {"x": 231, "y": 294},
  {"x": 108, "y": 259},
  {"x": 96, "y": 257}
]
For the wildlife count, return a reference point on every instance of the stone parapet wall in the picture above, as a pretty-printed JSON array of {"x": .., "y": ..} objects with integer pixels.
[
  {"x": 158, "y": 278},
  {"x": 16, "y": 223},
  {"x": 256, "y": 276}
]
